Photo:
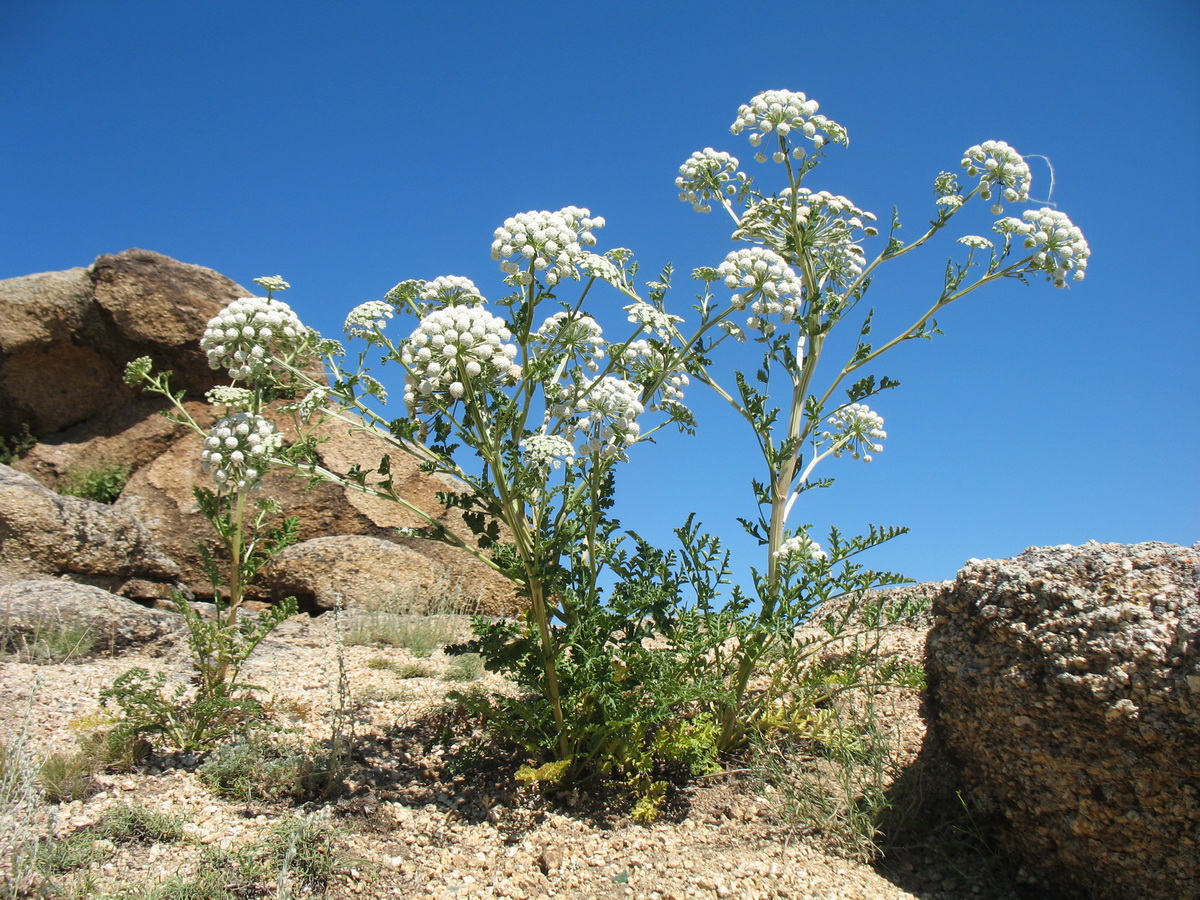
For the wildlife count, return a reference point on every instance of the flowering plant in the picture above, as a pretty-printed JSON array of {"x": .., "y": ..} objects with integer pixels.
[
  {"x": 255, "y": 340},
  {"x": 806, "y": 269},
  {"x": 533, "y": 407}
]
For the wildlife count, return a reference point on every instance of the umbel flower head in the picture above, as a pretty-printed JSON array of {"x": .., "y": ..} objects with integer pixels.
[
  {"x": 607, "y": 410},
  {"x": 574, "y": 335},
  {"x": 999, "y": 167},
  {"x": 551, "y": 242},
  {"x": 238, "y": 450},
  {"x": 784, "y": 112},
  {"x": 449, "y": 290},
  {"x": 856, "y": 430},
  {"x": 455, "y": 345},
  {"x": 244, "y": 336},
  {"x": 547, "y": 451},
  {"x": 708, "y": 175},
  {"x": 365, "y": 318},
  {"x": 764, "y": 276},
  {"x": 800, "y": 547},
  {"x": 1059, "y": 246}
]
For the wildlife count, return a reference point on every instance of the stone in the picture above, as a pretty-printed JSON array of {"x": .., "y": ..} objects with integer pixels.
[
  {"x": 1060, "y": 683},
  {"x": 65, "y": 337},
  {"x": 114, "y": 623},
  {"x": 44, "y": 534},
  {"x": 369, "y": 573}
]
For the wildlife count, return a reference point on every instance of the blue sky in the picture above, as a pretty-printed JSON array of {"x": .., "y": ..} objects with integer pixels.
[{"x": 348, "y": 146}]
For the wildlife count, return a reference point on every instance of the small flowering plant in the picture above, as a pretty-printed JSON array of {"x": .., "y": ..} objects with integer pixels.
[
  {"x": 256, "y": 340},
  {"x": 804, "y": 267}
]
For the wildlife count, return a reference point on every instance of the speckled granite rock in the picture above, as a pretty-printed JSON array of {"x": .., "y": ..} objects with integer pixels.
[{"x": 1066, "y": 685}]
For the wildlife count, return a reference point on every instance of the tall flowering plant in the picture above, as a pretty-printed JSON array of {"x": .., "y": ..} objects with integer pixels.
[
  {"x": 804, "y": 269},
  {"x": 532, "y": 408}
]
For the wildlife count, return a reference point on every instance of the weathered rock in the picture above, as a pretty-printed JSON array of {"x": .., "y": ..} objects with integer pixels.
[
  {"x": 160, "y": 495},
  {"x": 42, "y": 533},
  {"x": 369, "y": 573},
  {"x": 65, "y": 337},
  {"x": 139, "y": 303},
  {"x": 113, "y": 623},
  {"x": 1065, "y": 683}
]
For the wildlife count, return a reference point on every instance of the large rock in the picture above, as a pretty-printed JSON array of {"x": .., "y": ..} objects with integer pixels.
[
  {"x": 44, "y": 534},
  {"x": 112, "y": 623},
  {"x": 377, "y": 575},
  {"x": 1065, "y": 683},
  {"x": 65, "y": 337}
]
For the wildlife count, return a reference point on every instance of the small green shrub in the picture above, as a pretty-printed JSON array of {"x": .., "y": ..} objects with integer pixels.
[
  {"x": 67, "y": 776},
  {"x": 301, "y": 849},
  {"x": 13, "y": 448},
  {"x": 132, "y": 823},
  {"x": 466, "y": 667},
  {"x": 420, "y": 635},
  {"x": 266, "y": 767},
  {"x": 76, "y": 850},
  {"x": 101, "y": 484},
  {"x": 51, "y": 642}
]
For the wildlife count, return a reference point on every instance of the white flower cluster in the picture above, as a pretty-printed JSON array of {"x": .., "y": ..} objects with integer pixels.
[
  {"x": 366, "y": 317},
  {"x": 307, "y": 405},
  {"x": 648, "y": 363},
  {"x": 857, "y": 430},
  {"x": 550, "y": 242},
  {"x": 1001, "y": 167},
  {"x": 450, "y": 290},
  {"x": 271, "y": 283},
  {"x": 784, "y": 112},
  {"x": 764, "y": 275},
  {"x": 546, "y": 451},
  {"x": 608, "y": 409},
  {"x": 1059, "y": 244},
  {"x": 245, "y": 334},
  {"x": 802, "y": 546},
  {"x": 226, "y": 395},
  {"x": 454, "y": 344},
  {"x": 707, "y": 175},
  {"x": 574, "y": 334},
  {"x": 657, "y": 322},
  {"x": 601, "y": 267},
  {"x": 238, "y": 450}
]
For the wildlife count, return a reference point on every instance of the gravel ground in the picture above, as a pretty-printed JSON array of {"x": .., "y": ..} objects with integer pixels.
[{"x": 420, "y": 822}]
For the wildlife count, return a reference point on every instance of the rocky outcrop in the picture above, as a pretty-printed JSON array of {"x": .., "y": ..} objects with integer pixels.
[
  {"x": 1065, "y": 683},
  {"x": 44, "y": 534},
  {"x": 378, "y": 575},
  {"x": 65, "y": 337},
  {"x": 108, "y": 623}
]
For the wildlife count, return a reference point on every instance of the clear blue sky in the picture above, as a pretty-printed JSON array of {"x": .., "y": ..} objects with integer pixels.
[{"x": 348, "y": 146}]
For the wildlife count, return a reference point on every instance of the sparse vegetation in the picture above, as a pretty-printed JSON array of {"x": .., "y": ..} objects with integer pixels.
[
  {"x": 15, "y": 446},
  {"x": 271, "y": 767},
  {"x": 50, "y": 641},
  {"x": 419, "y": 635},
  {"x": 101, "y": 484}
]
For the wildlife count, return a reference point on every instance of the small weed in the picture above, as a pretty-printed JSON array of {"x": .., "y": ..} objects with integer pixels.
[
  {"x": 467, "y": 667},
  {"x": 302, "y": 850},
  {"x": 100, "y": 484},
  {"x": 420, "y": 635},
  {"x": 13, "y": 448},
  {"x": 75, "y": 851},
  {"x": 404, "y": 669},
  {"x": 67, "y": 776},
  {"x": 135, "y": 824},
  {"x": 261, "y": 767},
  {"x": 205, "y": 886},
  {"x": 50, "y": 642}
]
